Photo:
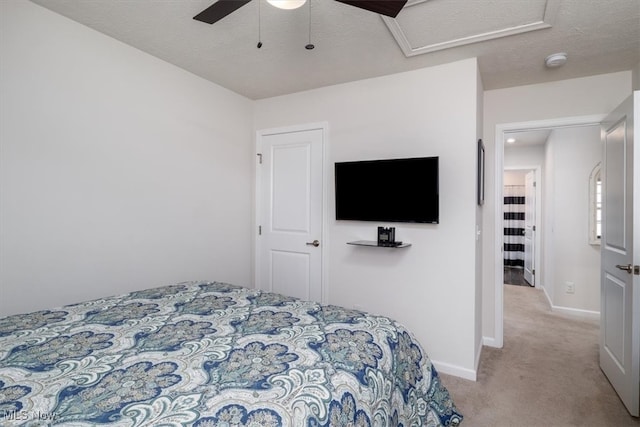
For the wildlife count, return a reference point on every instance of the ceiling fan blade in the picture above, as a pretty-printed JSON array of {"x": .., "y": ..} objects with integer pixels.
[
  {"x": 383, "y": 7},
  {"x": 219, "y": 10}
]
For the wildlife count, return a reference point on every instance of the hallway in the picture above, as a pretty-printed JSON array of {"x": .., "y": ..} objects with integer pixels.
[{"x": 547, "y": 374}]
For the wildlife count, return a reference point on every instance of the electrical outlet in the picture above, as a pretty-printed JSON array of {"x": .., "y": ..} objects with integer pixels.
[{"x": 570, "y": 287}]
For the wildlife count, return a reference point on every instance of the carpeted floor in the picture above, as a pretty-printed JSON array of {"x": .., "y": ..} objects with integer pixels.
[{"x": 546, "y": 375}]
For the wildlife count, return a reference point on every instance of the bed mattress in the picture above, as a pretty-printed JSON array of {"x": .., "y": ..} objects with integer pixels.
[{"x": 214, "y": 354}]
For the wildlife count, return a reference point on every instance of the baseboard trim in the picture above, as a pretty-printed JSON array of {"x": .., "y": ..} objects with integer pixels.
[
  {"x": 585, "y": 314},
  {"x": 490, "y": 342},
  {"x": 476, "y": 366},
  {"x": 456, "y": 371},
  {"x": 546, "y": 294}
]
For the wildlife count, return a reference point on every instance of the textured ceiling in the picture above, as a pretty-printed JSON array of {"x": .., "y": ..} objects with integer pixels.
[{"x": 600, "y": 36}]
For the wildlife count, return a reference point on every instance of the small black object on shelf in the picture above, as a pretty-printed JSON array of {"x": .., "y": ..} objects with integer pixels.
[{"x": 387, "y": 236}]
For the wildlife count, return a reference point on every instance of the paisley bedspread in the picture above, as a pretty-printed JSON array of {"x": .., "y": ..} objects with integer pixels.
[{"x": 212, "y": 354}]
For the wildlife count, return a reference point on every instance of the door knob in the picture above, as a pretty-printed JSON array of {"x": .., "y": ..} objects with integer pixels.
[
  {"x": 627, "y": 268},
  {"x": 315, "y": 243}
]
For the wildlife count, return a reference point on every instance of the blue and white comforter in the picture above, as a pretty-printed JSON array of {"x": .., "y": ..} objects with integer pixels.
[{"x": 212, "y": 354}]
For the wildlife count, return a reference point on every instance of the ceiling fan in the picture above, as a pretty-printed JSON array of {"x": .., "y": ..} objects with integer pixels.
[{"x": 222, "y": 8}]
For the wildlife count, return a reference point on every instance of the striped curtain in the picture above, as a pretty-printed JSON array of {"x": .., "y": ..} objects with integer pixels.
[{"x": 514, "y": 225}]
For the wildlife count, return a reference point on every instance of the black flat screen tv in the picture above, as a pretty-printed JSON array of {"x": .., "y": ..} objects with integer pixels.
[{"x": 393, "y": 190}]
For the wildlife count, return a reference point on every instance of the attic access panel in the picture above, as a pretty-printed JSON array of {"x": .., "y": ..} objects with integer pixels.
[{"x": 430, "y": 25}]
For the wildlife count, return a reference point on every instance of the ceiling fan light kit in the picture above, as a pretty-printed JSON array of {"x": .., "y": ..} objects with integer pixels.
[
  {"x": 286, "y": 4},
  {"x": 222, "y": 8}
]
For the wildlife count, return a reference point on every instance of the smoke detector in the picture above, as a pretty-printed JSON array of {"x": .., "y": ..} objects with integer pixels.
[{"x": 556, "y": 60}]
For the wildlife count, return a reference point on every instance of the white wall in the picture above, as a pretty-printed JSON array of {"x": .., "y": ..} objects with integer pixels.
[
  {"x": 561, "y": 99},
  {"x": 636, "y": 77},
  {"x": 528, "y": 155},
  {"x": 514, "y": 177},
  {"x": 430, "y": 287},
  {"x": 115, "y": 168},
  {"x": 571, "y": 156}
]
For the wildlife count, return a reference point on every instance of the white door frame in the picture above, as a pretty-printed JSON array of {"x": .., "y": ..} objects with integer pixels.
[
  {"x": 537, "y": 169},
  {"x": 500, "y": 135},
  {"x": 260, "y": 134}
]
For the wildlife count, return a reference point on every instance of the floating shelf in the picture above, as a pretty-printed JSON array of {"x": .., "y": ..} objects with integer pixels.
[{"x": 374, "y": 244}]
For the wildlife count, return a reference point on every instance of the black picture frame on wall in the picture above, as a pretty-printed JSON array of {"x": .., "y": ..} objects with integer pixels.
[{"x": 480, "y": 173}]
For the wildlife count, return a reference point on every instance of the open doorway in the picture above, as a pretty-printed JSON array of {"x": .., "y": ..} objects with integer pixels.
[
  {"x": 524, "y": 155},
  {"x": 547, "y": 278},
  {"x": 521, "y": 216}
]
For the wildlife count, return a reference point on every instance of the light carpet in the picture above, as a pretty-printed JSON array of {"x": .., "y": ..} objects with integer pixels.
[{"x": 546, "y": 374}]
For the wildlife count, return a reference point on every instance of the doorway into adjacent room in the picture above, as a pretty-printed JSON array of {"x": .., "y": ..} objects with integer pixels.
[
  {"x": 521, "y": 245},
  {"x": 548, "y": 273}
]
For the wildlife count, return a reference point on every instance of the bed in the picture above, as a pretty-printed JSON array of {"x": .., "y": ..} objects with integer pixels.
[{"x": 211, "y": 354}]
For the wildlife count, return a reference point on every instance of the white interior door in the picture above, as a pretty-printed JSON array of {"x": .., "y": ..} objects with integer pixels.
[
  {"x": 289, "y": 254},
  {"x": 529, "y": 227},
  {"x": 620, "y": 283}
]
